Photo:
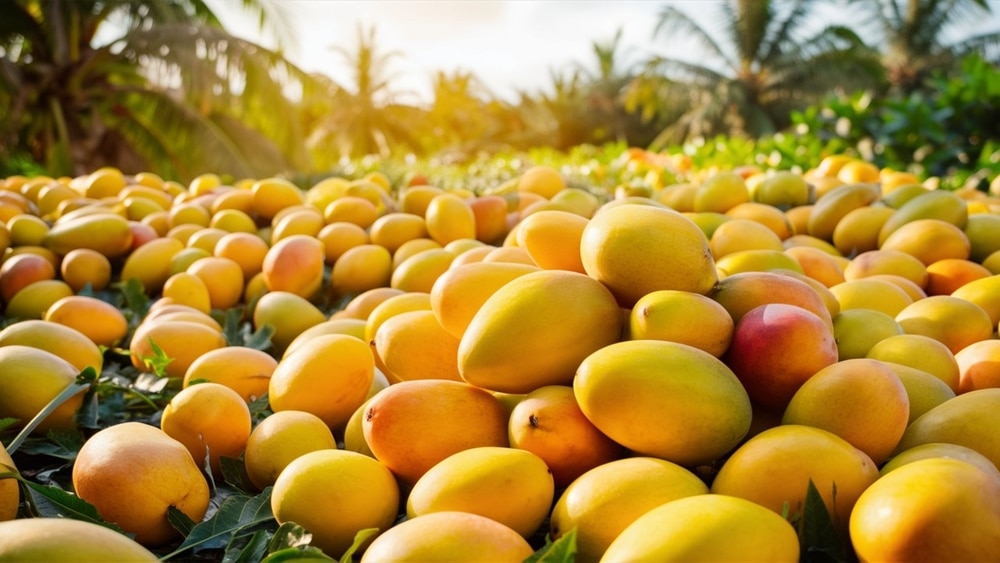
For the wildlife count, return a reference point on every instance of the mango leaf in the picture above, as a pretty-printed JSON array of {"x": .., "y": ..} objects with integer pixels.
[
  {"x": 307, "y": 553},
  {"x": 291, "y": 543},
  {"x": 158, "y": 362},
  {"x": 6, "y": 423},
  {"x": 237, "y": 514},
  {"x": 254, "y": 550},
  {"x": 180, "y": 521},
  {"x": 67, "y": 504},
  {"x": 234, "y": 473},
  {"x": 62, "y": 444},
  {"x": 359, "y": 539},
  {"x": 819, "y": 540},
  {"x": 136, "y": 301},
  {"x": 563, "y": 550}
]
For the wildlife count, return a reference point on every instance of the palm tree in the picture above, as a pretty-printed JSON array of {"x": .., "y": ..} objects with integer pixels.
[
  {"x": 173, "y": 93},
  {"x": 753, "y": 76},
  {"x": 913, "y": 36},
  {"x": 367, "y": 119},
  {"x": 605, "y": 85}
]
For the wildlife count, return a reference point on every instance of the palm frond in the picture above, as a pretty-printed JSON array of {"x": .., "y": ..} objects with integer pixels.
[{"x": 673, "y": 20}]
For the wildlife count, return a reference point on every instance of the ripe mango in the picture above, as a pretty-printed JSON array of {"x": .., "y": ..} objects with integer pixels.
[
  {"x": 535, "y": 331},
  {"x": 105, "y": 232},
  {"x": 59, "y": 540}
]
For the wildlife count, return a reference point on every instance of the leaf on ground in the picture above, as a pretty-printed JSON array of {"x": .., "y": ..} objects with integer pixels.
[
  {"x": 562, "y": 550},
  {"x": 180, "y": 521},
  {"x": 66, "y": 394},
  {"x": 289, "y": 535},
  {"x": 236, "y": 514},
  {"x": 158, "y": 361},
  {"x": 818, "y": 537},
  {"x": 253, "y": 551},
  {"x": 62, "y": 444},
  {"x": 234, "y": 473},
  {"x": 307, "y": 553},
  {"x": 69, "y": 505},
  {"x": 136, "y": 301}
]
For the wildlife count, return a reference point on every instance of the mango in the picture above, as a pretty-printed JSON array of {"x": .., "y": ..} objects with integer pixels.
[
  {"x": 935, "y": 204},
  {"x": 512, "y": 486},
  {"x": 535, "y": 331},
  {"x": 694, "y": 401},
  {"x": 968, "y": 420},
  {"x": 448, "y": 536},
  {"x": 65, "y": 540},
  {"x": 707, "y": 528},
  {"x": 105, "y": 232}
]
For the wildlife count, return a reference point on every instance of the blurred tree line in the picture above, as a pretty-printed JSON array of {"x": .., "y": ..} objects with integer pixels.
[{"x": 178, "y": 95}]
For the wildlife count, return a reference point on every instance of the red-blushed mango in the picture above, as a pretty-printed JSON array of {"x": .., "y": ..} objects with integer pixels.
[
  {"x": 638, "y": 249},
  {"x": 21, "y": 270},
  {"x": 602, "y": 502},
  {"x": 335, "y": 494},
  {"x": 295, "y": 264},
  {"x": 774, "y": 468},
  {"x": 947, "y": 275},
  {"x": 509, "y": 485},
  {"x": 328, "y": 376},
  {"x": 861, "y": 400},
  {"x": 490, "y": 213},
  {"x": 459, "y": 293},
  {"x": 59, "y": 540},
  {"x": 410, "y": 426},
  {"x": 535, "y": 331},
  {"x": 739, "y": 293},
  {"x": 448, "y": 536},
  {"x": 549, "y": 423},
  {"x": 707, "y": 528},
  {"x": 695, "y": 402},
  {"x": 775, "y": 348},
  {"x": 929, "y": 510},
  {"x": 968, "y": 420},
  {"x": 132, "y": 473}
]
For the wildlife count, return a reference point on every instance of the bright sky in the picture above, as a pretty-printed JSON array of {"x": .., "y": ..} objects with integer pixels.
[{"x": 510, "y": 45}]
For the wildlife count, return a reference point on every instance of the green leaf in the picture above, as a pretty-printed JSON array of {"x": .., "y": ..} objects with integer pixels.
[
  {"x": 180, "y": 521},
  {"x": 289, "y": 535},
  {"x": 254, "y": 550},
  {"x": 158, "y": 362},
  {"x": 259, "y": 339},
  {"x": 307, "y": 553},
  {"x": 136, "y": 301},
  {"x": 818, "y": 537},
  {"x": 359, "y": 539},
  {"x": 68, "y": 504},
  {"x": 563, "y": 550},
  {"x": 6, "y": 423},
  {"x": 62, "y": 444},
  {"x": 236, "y": 514},
  {"x": 234, "y": 473}
]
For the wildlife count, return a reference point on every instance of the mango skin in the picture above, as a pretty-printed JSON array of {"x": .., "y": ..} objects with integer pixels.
[
  {"x": 664, "y": 399},
  {"x": 63, "y": 540},
  {"x": 535, "y": 331},
  {"x": 107, "y": 233}
]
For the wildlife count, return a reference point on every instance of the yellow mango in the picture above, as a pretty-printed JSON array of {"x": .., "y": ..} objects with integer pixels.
[
  {"x": 535, "y": 331},
  {"x": 509, "y": 485},
  {"x": 61, "y": 540},
  {"x": 105, "y": 232}
]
